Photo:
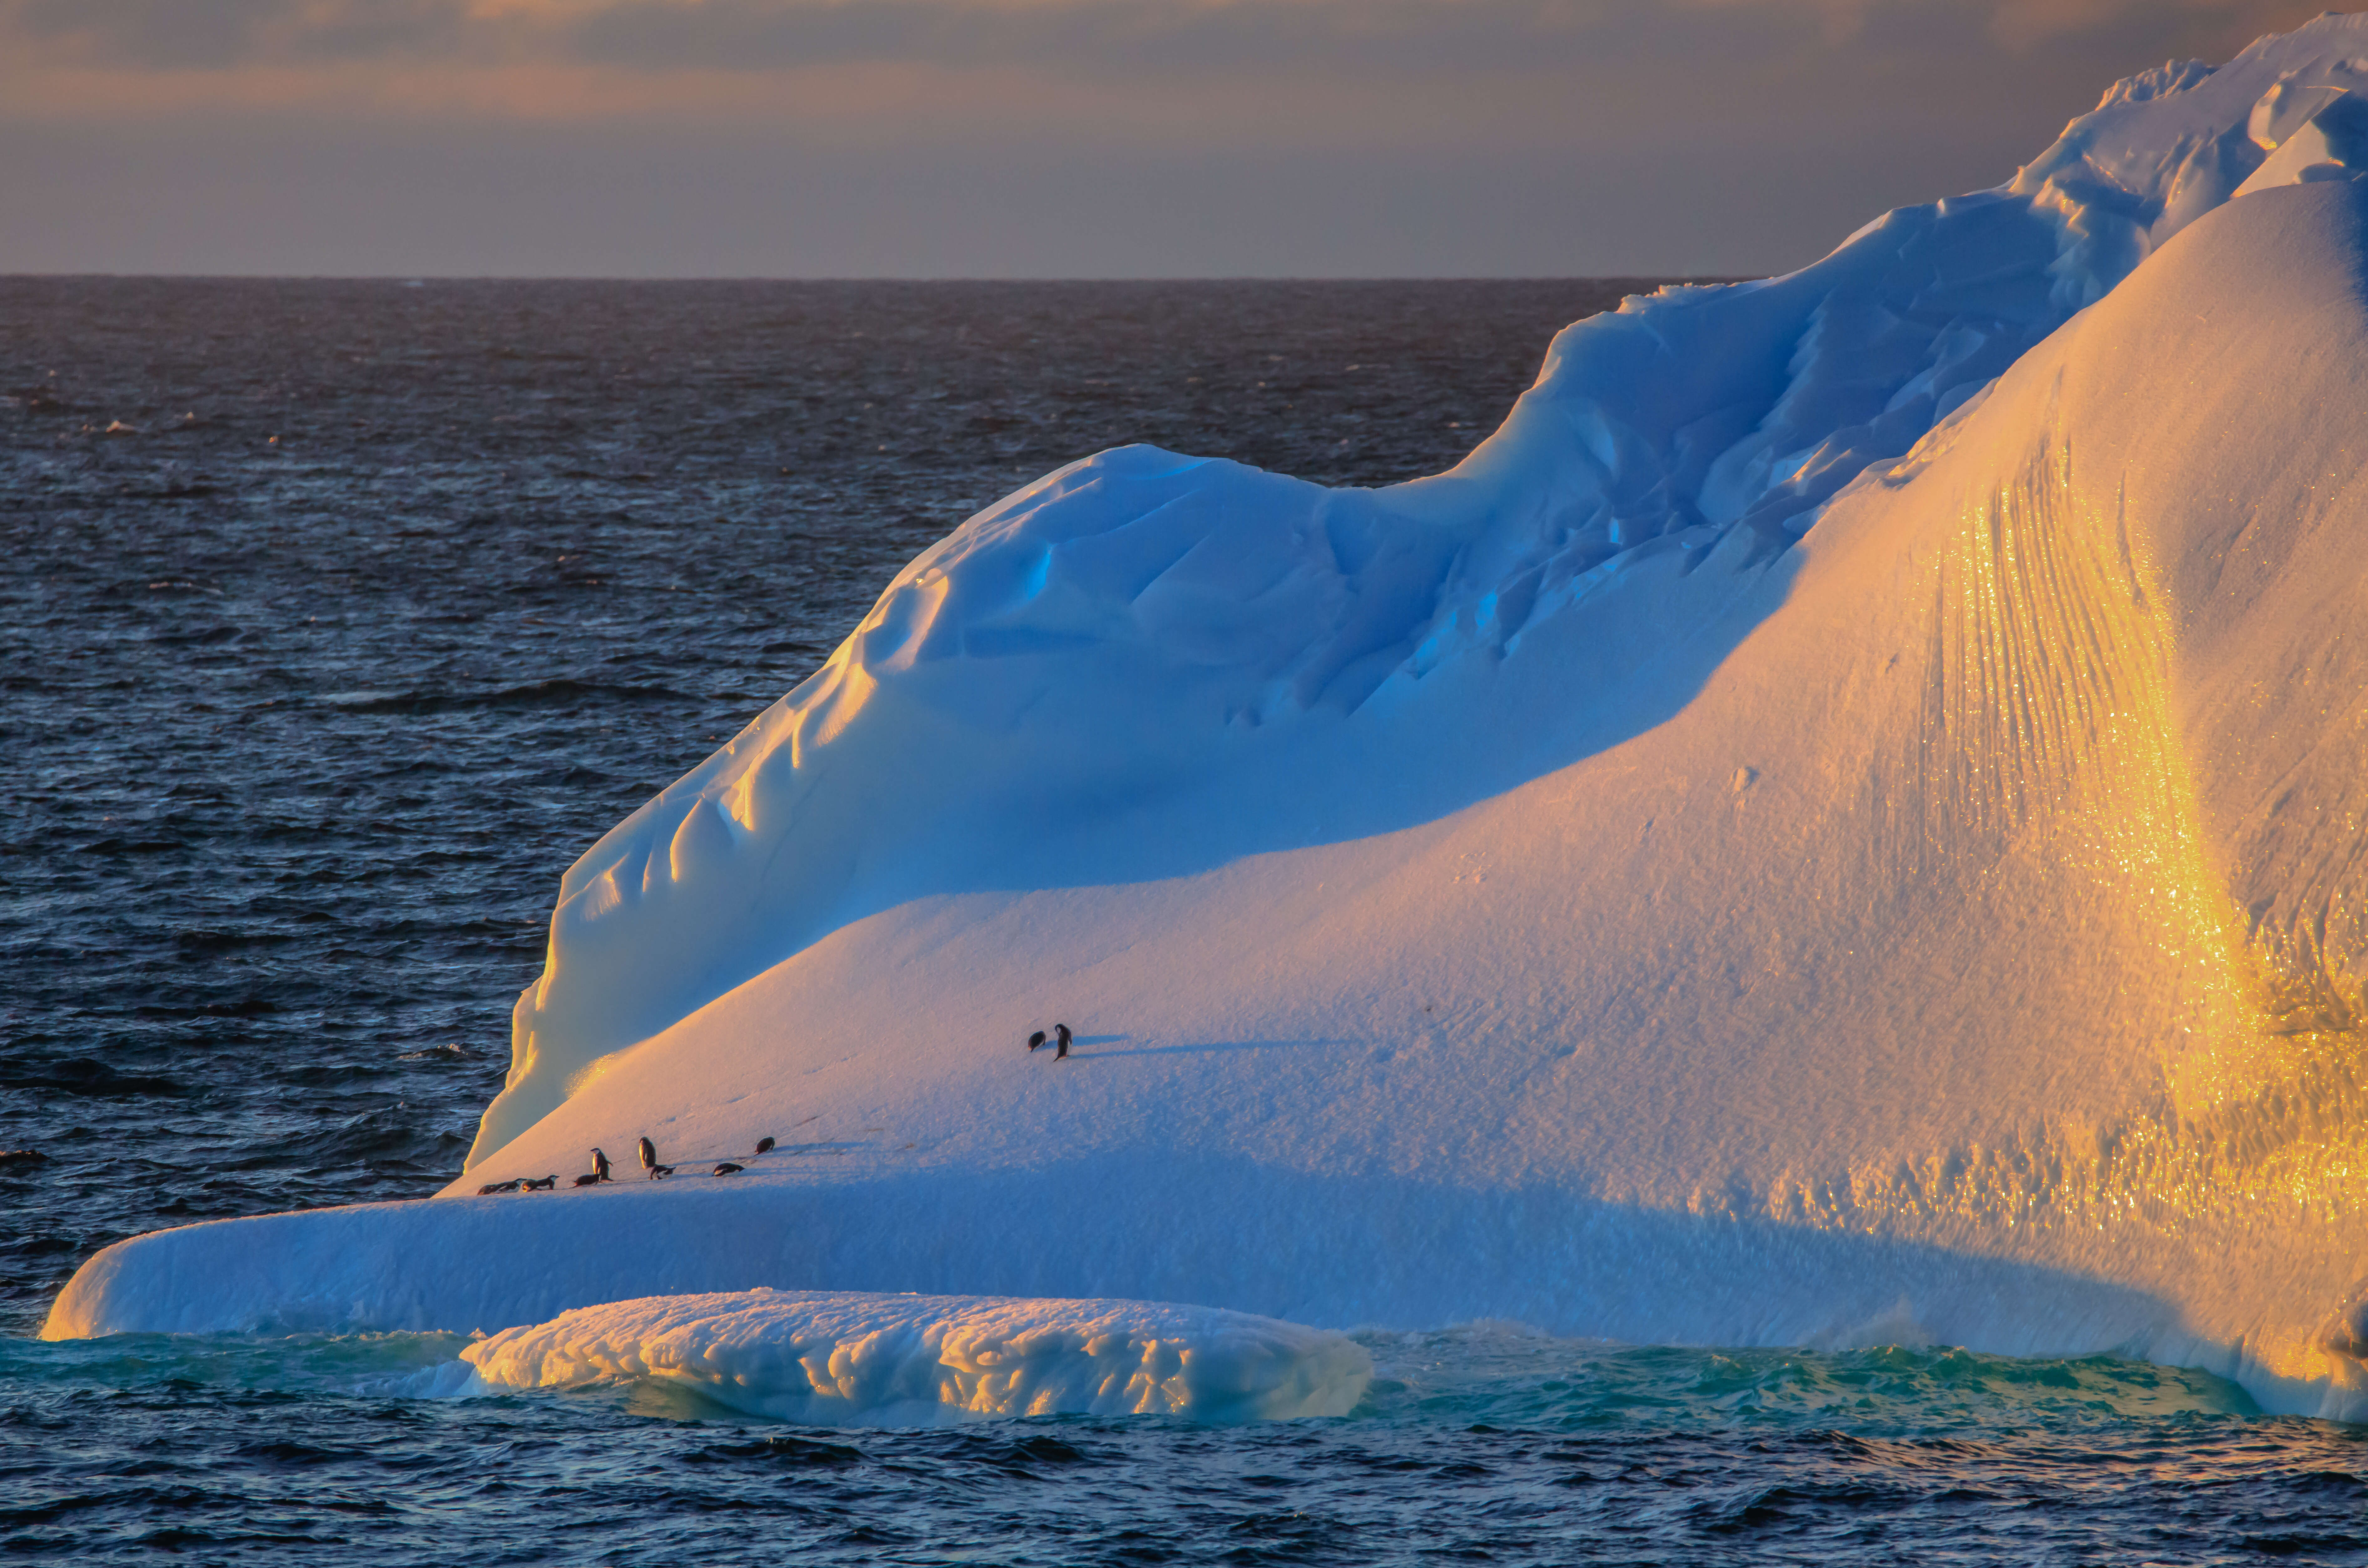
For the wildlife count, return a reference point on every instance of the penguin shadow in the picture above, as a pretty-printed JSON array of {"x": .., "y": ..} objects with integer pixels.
[
  {"x": 1042, "y": 1050},
  {"x": 767, "y": 1161},
  {"x": 1200, "y": 1047},
  {"x": 753, "y": 1165}
]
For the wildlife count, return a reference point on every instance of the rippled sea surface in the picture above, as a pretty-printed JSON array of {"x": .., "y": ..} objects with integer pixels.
[{"x": 336, "y": 619}]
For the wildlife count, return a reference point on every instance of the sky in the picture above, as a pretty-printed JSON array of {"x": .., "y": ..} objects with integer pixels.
[{"x": 1031, "y": 138}]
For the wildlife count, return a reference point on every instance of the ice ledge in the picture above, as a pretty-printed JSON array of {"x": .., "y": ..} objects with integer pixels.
[
  {"x": 842, "y": 1357},
  {"x": 1543, "y": 1258}
]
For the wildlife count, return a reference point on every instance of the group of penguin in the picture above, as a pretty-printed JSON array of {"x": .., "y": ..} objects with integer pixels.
[
  {"x": 600, "y": 1171},
  {"x": 1062, "y": 1037}
]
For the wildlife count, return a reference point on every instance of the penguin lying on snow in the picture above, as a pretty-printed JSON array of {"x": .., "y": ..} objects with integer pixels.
[
  {"x": 590, "y": 1178},
  {"x": 545, "y": 1185},
  {"x": 728, "y": 1168},
  {"x": 764, "y": 1145},
  {"x": 493, "y": 1186}
]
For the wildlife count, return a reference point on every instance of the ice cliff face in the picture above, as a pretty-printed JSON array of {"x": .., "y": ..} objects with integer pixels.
[
  {"x": 1845, "y": 813},
  {"x": 1142, "y": 626}
]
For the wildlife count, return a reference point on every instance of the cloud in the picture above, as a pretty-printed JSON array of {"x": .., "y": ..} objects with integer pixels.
[
  {"x": 2211, "y": 29},
  {"x": 1154, "y": 39},
  {"x": 1220, "y": 71},
  {"x": 1385, "y": 135},
  {"x": 1172, "y": 36}
]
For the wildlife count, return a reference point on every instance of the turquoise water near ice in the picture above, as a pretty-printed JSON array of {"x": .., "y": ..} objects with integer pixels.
[{"x": 1484, "y": 1444}]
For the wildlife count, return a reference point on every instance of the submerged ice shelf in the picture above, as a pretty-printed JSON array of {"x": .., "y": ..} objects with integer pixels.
[
  {"x": 821, "y": 1357},
  {"x": 1843, "y": 818}
]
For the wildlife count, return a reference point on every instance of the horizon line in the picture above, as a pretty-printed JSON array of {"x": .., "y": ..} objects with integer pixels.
[{"x": 423, "y": 279}]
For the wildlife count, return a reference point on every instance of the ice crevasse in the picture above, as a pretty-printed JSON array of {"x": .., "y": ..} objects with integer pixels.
[{"x": 1848, "y": 810}]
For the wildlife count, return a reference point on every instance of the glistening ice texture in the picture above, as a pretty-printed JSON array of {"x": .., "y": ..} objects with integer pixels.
[
  {"x": 824, "y": 1358},
  {"x": 1572, "y": 889}
]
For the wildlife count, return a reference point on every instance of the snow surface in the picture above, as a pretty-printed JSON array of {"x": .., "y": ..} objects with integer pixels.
[
  {"x": 834, "y": 1357},
  {"x": 1572, "y": 889}
]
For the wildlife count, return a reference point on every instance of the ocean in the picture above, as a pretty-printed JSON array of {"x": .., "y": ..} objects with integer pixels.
[{"x": 338, "y": 618}]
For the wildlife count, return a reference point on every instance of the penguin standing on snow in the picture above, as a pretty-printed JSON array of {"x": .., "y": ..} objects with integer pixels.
[
  {"x": 764, "y": 1145},
  {"x": 650, "y": 1161},
  {"x": 1061, "y": 1032},
  {"x": 599, "y": 1167},
  {"x": 1035, "y": 1040}
]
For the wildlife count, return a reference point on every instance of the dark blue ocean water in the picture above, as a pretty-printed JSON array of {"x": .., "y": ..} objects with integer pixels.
[{"x": 336, "y": 619}]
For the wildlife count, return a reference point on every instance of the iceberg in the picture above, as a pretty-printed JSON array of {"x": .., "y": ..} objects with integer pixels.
[
  {"x": 1841, "y": 819},
  {"x": 827, "y": 1359}
]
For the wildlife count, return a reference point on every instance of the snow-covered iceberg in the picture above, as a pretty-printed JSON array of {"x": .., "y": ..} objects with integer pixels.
[
  {"x": 1846, "y": 812},
  {"x": 827, "y": 1357}
]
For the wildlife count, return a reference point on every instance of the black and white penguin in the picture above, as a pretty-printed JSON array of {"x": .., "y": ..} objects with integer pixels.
[
  {"x": 649, "y": 1152},
  {"x": 599, "y": 1166},
  {"x": 1061, "y": 1032},
  {"x": 590, "y": 1178},
  {"x": 545, "y": 1185},
  {"x": 658, "y": 1171},
  {"x": 1035, "y": 1040},
  {"x": 493, "y": 1186},
  {"x": 764, "y": 1145},
  {"x": 728, "y": 1168}
]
